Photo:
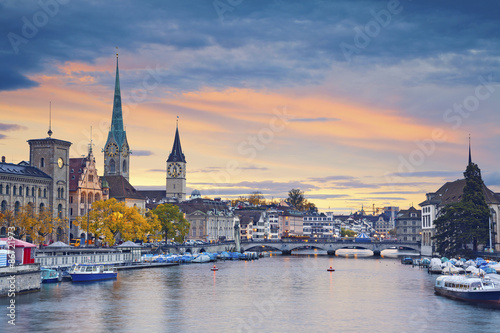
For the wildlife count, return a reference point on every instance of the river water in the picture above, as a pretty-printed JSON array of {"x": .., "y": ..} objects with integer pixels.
[{"x": 275, "y": 294}]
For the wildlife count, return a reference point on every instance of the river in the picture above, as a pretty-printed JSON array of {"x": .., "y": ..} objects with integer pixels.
[{"x": 274, "y": 294}]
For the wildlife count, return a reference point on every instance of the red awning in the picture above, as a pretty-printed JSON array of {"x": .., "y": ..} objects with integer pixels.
[{"x": 18, "y": 243}]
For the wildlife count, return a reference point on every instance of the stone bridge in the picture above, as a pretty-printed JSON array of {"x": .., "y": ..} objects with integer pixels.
[
  {"x": 287, "y": 246},
  {"x": 330, "y": 246},
  {"x": 209, "y": 247}
]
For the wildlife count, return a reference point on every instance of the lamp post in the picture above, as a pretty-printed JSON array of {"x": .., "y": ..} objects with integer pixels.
[{"x": 88, "y": 222}]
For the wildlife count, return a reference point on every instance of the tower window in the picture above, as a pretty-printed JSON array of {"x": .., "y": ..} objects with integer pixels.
[
  {"x": 112, "y": 166},
  {"x": 42, "y": 162},
  {"x": 124, "y": 166}
]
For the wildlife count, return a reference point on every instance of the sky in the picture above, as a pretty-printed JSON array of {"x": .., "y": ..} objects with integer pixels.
[{"x": 357, "y": 103}]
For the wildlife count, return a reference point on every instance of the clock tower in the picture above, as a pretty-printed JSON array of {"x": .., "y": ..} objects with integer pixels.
[
  {"x": 52, "y": 157},
  {"x": 117, "y": 151},
  {"x": 176, "y": 170}
]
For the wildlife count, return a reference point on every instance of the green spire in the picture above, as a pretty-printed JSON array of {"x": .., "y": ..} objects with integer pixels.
[{"x": 117, "y": 118}]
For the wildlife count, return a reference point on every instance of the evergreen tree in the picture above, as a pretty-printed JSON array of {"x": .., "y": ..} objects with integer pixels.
[{"x": 465, "y": 222}]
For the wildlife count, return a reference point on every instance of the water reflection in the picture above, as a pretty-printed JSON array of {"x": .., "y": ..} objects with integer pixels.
[{"x": 280, "y": 293}]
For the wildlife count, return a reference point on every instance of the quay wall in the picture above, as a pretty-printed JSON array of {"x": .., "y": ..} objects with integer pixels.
[{"x": 19, "y": 279}]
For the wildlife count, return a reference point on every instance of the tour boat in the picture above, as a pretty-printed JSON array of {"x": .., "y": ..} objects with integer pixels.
[
  {"x": 471, "y": 289},
  {"x": 49, "y": 275},
  {"x": 92, "y": 272}
]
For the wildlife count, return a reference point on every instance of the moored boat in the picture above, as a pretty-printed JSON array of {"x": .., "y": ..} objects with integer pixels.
[
  {"x": 470, "y": 289},
  {"x": 49, "y": 275},
  {"x": 92, "y": 272}
]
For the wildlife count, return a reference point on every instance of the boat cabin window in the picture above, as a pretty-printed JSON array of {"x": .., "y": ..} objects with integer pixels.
[
  {"x": 475, "y": 285},
  {"x": 89, "y": 269}
]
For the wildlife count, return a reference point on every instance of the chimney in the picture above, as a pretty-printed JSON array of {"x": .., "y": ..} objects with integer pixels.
[{"x": 3, "y": 159}]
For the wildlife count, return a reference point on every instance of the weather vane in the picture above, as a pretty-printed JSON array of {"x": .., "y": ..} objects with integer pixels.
[{"x": 117, "y": 51}]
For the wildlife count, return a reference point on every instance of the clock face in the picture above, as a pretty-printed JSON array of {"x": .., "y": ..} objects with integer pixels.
[
  {"x": 175, "y": 170},
  {"x": 124, "y": 150},
  {"x": 112, "y": 149},
  {"x": 60, "y": 163}
]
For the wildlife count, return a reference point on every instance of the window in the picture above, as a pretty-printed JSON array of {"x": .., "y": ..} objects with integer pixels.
[
  {"x": 70, "y": 199},
  {"x": 14, "y": 190},
  {"x": 91, "y": 178},
  {"x": 20, "y": 190},
  {"x": 60, "y": 215},
  {"x": 1, "y": 189},
  {"x": 71, "y": 211},
  {"x": 42, "y": 207},
  {"x": 4, "y": 206},
  {"x": 39, "y": 192},
  {"x": 62, "y": 192},
  {"x": 7, "y": 189},
  {"x": 32, "y": 191},
  {"x": 44, "y": 192},
  {"x": 16, "y": 207},
  {"x": 112, "y": 166},
  {"x": 42, "y": 162},
  {"x": 124, "y": 166}
]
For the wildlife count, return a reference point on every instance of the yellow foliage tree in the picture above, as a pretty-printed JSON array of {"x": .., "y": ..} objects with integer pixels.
[{"x": 111, "y": 219}]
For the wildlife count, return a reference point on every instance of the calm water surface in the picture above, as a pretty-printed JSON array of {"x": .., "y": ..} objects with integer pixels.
[{"x": 276, "y": 294}]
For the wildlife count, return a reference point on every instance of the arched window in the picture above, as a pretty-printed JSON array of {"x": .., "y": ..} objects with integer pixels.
[
  {"x": 32, "y": 191},
  {"x": 60, "y": 234},
  {"x": 42, "y": 207},
  {"x": 30, "y": 209},
  {"x": 42, "y": 162},
  {"x": 112, "y": 166},
  {"x": 1, "y": 189},
  {"x": 62, "y": 192},
  {"x": 14, "y": 190},
  {"x": 97, "y": 197},
  {"x": 20, "y": 190},
  {"x": 44, "y": 192},
  {"x": 4, "y": 206},
  {"x": 124, "y": 166},
  {"x": 39, "y": 192},
  {"x": 7, "y": 189},
  {"x": 71, "y": 212},
  {"x": 90, "y": 197},
  {"x": 82, "y": 198},
  {"x": 16, "y": 207},
  {"x": 59, "y": 211},
  {"x": 58, "y": 192}
]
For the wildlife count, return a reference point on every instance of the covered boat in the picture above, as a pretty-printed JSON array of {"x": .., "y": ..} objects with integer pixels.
[
  {"x": 49, "y": 275},
  {"x": 471, "y": 289},
  {"x": 92, "y": 272}
]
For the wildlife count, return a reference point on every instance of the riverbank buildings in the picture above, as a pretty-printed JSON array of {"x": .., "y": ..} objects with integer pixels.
[
  {"x": 450, "y": 193},
  {"x": 41, "y": 183}
]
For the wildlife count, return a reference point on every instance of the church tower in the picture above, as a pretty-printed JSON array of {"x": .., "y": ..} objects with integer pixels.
[
  {"x": 116, "y": 151},
  {"x": 52, "y": 157},
  {"x": 176, "y": 170}
]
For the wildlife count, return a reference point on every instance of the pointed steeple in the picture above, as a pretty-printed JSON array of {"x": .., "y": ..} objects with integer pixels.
[
  {"x": 470, "y": 156},
  {"x": 176, "y": 155},
  {"x": 117, "y": 117}
]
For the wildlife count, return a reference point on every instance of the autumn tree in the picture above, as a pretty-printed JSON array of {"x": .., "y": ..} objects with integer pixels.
[
  {"x": 111, "y": 220},
  {"x": 172, "y": 222},
  {"x": 43, "y": 224},
  {"x": 296, "y": 198},
  {"x": 256, "y": 199}
]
